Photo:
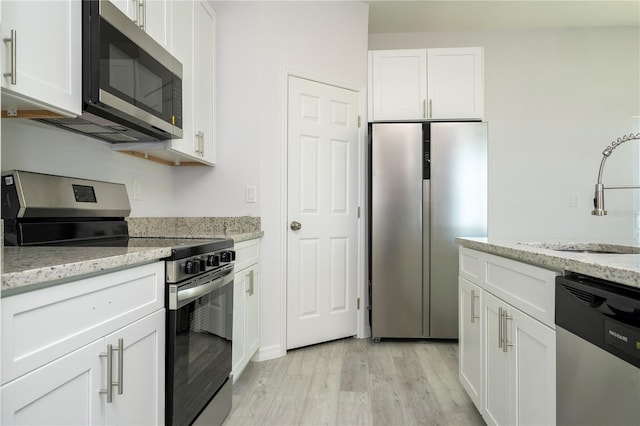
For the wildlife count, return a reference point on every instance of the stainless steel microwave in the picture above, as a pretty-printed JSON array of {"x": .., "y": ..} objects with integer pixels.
[{"x": 131, "y": 85}]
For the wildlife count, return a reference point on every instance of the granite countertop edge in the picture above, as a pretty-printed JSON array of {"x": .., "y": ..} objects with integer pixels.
[
  {"x": 32, "y": 268},
  {"x": 619, "y": 268}
]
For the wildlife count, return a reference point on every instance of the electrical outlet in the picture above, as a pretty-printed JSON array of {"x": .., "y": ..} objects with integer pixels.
[
  {"x": 250, "y": 194},
  {"x": 137, "y": 189},
  {"x": 575, "y": 200}
]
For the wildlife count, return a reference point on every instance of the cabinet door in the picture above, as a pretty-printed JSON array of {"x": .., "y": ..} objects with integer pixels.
[
  {"x": 498, "y": 398},
  {"x": 534, "y": 369},
  {"x": 182, "y": 41},
  {"x": 156, "y": 21},
  {"x": 399, "y": 84},
  {"x": 455, "y": 83},
  {"x": 128, "y": 7},
  {"x": 63, "y": 392},
  {"x": 204, "y": 79},
  {"x": 239, "y": 347},
  {"x": 470, "y": 340},
  {"x": 142, "y": 364},
  {"x": 47, "y": 64},
  {"x": 252, "y": 327}
]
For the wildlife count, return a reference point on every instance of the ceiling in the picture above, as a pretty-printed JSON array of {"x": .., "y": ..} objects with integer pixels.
[{"x": 477, "y": 15}]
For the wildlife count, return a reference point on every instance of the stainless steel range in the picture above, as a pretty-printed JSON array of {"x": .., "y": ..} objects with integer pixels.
[{"x": 40, "y": 209}]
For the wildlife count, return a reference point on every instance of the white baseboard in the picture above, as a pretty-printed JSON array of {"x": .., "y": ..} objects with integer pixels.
[{"x": 269, "y": 352}]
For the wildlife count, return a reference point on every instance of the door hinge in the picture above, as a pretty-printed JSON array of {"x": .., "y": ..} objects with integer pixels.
[
  {"x": 358, "y": 303},
  {"x": 359, "y": 122}
]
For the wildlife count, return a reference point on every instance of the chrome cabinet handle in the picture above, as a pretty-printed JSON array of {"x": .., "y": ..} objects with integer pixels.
[
  {"x": 424, "y": 108},
  {"x": 13, "y": 41},
  {"x": 120, "y": 365},
  {"x": 474, "y": 317},
  {"x": 141, "y": 14},
  {"x": 295, "y": 226},
  {"x": 109, "y": 389},
  {"x": 430, "y": 108},
  {"x": 506, "y": 344},
  {"x": 110, "y": 382},
  {"x": 250, "y": 289},
  {"x": 500, "y": 315},
  {"x": 200, "y": 140}
]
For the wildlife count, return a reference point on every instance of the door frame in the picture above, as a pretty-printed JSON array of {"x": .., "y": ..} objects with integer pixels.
[{"x": 362, "y": 325}]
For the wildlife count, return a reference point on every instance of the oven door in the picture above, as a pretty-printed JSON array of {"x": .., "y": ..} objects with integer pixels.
[{"x": 199, "y": 333}]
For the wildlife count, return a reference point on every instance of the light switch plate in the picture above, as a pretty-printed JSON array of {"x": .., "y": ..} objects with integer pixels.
[{"x": 250, "y": 194}]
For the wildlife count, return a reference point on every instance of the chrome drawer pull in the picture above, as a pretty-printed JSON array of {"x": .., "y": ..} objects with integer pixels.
[{"x": 13, "y": 41}]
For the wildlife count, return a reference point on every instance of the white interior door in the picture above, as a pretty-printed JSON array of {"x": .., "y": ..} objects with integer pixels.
[{"x": 322, "y": 198}]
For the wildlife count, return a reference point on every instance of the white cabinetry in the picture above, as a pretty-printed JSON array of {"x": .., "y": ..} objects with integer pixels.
[
  {"x": 455, "y": 81},
  {"x": 55, "y": 350},
  {"x": 246, "y": 308},
  {"x": 193, "y": 41},
  {"x": 153, "y": 16},
  {"x": 203, "y": 81},
  {"x": 44, "y": 65},
  {"x": 470, "y": 339},
  {"x": 426, "y": 84},
  {"x": 517, "y": 338},
  {"x": 398, "y": 84}
]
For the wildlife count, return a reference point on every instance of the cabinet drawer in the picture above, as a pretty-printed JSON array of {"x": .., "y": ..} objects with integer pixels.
[
  {"x": 247, "y": 253},
  {"x": 528, "y": 288},
  {"x": 40, "y": 326},
  {"x": 470, "y": 264}
]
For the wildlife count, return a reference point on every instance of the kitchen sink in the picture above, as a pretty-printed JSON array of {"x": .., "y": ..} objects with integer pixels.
[{"x": 588, "y": 248}]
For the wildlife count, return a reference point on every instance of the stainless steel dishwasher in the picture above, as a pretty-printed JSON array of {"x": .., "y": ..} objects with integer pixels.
[{"x": 598, "y": 352}]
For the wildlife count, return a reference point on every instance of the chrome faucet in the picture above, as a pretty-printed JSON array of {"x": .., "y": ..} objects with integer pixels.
[{"x": 598, "y": 201}]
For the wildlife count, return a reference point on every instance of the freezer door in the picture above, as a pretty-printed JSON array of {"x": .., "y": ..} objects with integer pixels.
[
  {"x": 396, "y": 230},
  {"x": 458, "y": 209}
]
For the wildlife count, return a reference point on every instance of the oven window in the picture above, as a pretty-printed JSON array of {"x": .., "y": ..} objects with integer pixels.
[
  {"x": 130, "y": 73},
  {"x": 201, "y": 343}
]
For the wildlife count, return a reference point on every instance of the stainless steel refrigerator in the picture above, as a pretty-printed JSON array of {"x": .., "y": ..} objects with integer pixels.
[{"x": 428, "y": 186}]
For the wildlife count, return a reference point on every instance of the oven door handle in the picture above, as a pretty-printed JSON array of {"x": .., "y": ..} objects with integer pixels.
[{"x": 182, "y": 297}]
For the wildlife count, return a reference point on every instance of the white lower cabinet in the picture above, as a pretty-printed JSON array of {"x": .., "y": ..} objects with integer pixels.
[
  {"x": 246, "y": 305},
  {"x": 470, "y": 339},
  {"x": 72, "y": 388},
  {"x": 507, "y": 356}
]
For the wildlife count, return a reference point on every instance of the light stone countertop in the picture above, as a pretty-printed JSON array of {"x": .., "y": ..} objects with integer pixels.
[
  {"x": 619, "y": 268},
  {"x": 31, "y": 268}
]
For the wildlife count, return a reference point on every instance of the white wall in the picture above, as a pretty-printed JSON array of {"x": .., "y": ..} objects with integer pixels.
[
  {"x": 32, "y": 146},
  {"x": 257, "y": 41},
  {"x": 554, "y": 99}
]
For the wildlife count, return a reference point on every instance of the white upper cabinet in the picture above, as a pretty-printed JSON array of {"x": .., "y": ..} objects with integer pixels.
[
  {"x": 156, "y": 21},
  {"x": 455, "y": 83},
  {"x": 398, "y": 84},
  {"x": 204, "y": 78},
  {"x": 42, "y": 69},
  {"x": 193, "y": 41},
  {"x": 426, "y": 84},
  {"x": 153, "y": 16}
]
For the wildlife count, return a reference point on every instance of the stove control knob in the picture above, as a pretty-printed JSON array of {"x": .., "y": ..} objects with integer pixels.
[
  {"x": 228, "y": 256},
  {"x": 213, "y": 260},
  {"x": 192, "y": 267},
  {"x": 203, "y": 264}
]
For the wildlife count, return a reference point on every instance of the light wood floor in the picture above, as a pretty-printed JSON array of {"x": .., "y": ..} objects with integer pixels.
[{"x": 356, "y": 382}]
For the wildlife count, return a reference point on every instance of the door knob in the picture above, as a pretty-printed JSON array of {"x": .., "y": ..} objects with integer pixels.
[{"x": 296, "y": 226}]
